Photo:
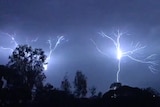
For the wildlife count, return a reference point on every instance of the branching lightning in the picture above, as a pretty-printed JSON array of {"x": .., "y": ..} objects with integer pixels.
[
  {"x": 116, "y": 42},
  {"x": 13, "y": 41},
  {"x": 32, "y": 41},
  {"x": 51, "y": 47}
]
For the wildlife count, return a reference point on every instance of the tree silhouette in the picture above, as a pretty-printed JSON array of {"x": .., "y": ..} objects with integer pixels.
[
  {"x": 152, "y": 91},
  {"x": 115, "y": 85},
  {"x": 80, "y": 84},
  {"x": 26, "y": 68},
  {"x": 48, "y": 87},
  {"x": 92, "y": 90},
  {"x": 65, "y": 84},
  {"x": 1, "y": 75},
  {"x": 99, "y": 94}
]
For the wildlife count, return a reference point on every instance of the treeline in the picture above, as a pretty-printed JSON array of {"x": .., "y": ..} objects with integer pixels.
[{"x": 22, "y": 85}]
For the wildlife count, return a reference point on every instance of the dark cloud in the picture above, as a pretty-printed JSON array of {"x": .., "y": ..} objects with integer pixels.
[{"x": 80, "y": 20}]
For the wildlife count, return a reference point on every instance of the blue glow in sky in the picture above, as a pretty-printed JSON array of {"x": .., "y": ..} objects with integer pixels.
[{"x": 36, "y": 21}]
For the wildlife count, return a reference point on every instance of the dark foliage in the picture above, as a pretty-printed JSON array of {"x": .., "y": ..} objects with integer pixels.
[
  {"x": 80, "y": 84},
  {"x": 48, "y": 96},
  {"x": 22, "y": 76},
  {"x": 65, "y": 85},
  {"x": 26, "y": 66},
  {"x": 92, "y": 91},
  {"x": 129, "y": 96},
  {"x": 21, "y": 85}
]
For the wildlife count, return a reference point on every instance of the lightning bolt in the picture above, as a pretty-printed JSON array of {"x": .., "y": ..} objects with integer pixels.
[
  {"x": 13, "y": 41},
  {"x": 52, "y": 49},
  {"x": 116, "y": 42},
  {"x": 35, "y": 40},
  {"x": 32, "y": 41}
]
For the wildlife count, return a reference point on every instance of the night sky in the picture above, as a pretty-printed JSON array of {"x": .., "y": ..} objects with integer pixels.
[{"x": 79, "y": 21}]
